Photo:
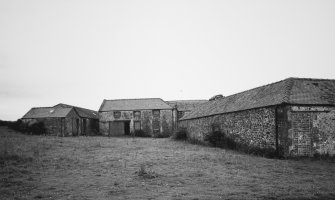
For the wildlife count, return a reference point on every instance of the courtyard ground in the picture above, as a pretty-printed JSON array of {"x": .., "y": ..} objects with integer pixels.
[{"x": 46, "y": 167}]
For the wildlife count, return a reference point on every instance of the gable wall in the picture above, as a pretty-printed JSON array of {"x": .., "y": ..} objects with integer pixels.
[
  {"x": 307, "y": 130},
  {"x": 165, "y": 121}
]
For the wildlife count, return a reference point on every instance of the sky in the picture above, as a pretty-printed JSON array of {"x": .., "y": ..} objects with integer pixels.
[{"x": 80, "y": 52}]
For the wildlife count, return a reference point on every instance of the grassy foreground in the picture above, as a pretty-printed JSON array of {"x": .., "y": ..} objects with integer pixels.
[{"x": 40, "y": 167}]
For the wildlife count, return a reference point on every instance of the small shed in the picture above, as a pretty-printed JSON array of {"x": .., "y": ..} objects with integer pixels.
[
  {"x": 57, "y": 121},
  {"x": 89, "y": 119},
  {"x": 64, "y": 120}
]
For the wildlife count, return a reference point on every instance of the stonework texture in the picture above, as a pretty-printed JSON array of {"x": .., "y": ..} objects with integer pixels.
[
  {"x": 163, "y": 122},
  {"x": 306, "y": 130},
  {"x": 71, "y": 125},
  {"x": 252, "y": 127},
  {"x": 292, "y": 130}
]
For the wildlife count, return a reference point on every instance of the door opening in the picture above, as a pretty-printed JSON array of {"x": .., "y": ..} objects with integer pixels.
[{"x": 127, "y": 127}]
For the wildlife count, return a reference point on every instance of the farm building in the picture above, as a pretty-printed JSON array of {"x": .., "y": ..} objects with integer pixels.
[
  {"x": 153, "y": 116},
  {"x": 295, "y": 117},
  {"x": 64, "y": 120}
]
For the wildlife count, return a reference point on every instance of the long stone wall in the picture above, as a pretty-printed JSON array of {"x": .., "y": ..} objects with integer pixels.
[{"x": 254, "y": 127}]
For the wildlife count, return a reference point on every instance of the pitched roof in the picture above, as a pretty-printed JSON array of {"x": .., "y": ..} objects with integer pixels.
[
  {"x": 186, "y": 105},
  {"x": 290, "y": 91},
  {"x": 134, "y": 104},
  {"x": 82, "y": 112},
  {"x": 46, "y": 112}
]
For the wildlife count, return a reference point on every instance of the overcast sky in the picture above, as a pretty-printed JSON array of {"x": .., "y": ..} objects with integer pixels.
[{"x": 80, "y": 52}]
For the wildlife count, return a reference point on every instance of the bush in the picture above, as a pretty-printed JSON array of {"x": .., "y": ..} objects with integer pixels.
[
  {"x": 219, "y": 139},
  {"x": 141, "y": 133},
  {"x": 5, "y": 123},
  {"x": 180, "y": 134},
  {"x": 215, "y": 138},
  {"x": 37, "y": 128},
  {"x": 34, "y": 129},
  {"x": 18, "y": 126}
]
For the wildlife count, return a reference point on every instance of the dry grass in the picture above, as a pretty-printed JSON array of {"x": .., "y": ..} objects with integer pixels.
[{"x": 39, "y": 167}]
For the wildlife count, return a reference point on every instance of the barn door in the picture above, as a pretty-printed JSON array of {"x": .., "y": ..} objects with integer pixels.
[
  {"x": 301, "y": 125},
  {"x": 116, "y": 128}
]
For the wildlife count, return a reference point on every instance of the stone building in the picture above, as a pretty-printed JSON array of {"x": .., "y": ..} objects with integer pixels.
[
  {"x": 119, "y": 117},
  {"x": 64, "y": 120},
  {"x": 295, "y": 116}
]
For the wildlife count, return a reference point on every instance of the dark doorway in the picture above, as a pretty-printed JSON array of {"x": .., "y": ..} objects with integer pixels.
[
  {"x": 127, "y": 127},
  {"x": 84, "y": 127}
]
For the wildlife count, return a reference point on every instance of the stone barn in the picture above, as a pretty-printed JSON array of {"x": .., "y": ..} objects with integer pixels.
[
  {"x": 89, "y": 119},
  {"x": 295, "y": 117},
  {"x": 64, "y": 120},
  {"x": 120, "y": 117}
]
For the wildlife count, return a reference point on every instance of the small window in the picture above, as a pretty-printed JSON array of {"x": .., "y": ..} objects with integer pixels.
[
  {"x": 117, "y": 114},
  {"x": 137, "y": 114},
  {"x": 156, "y": 113},
  {"x": 137, "y": 125}
]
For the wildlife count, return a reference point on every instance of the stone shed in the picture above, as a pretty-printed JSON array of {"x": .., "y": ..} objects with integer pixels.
[
  {"x": 295, "y": 117},
  {"x": 119, "y": 117},
  {"x": 89, "y": 119},
  {"x": 64, "y": 120}
]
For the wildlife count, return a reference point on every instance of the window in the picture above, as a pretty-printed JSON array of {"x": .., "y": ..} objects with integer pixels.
[
  {"x": 137, "y": 114},
  {"x": 156, "y": 113},
  {"x": 137, "y": 125},
  {"x": 117, "y": 114}
]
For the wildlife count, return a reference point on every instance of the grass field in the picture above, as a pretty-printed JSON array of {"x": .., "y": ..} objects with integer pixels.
[{"x": 45, "y": 167}]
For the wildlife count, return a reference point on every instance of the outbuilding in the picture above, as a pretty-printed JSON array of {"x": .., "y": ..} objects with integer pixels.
[
  {"x": 295, "y": 117},
  {"x": 120, "y": 117},
  {"x": 64, "y": 120}
]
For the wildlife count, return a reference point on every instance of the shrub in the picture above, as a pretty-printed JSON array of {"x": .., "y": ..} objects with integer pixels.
[
  {"x": 141, "y": 133},
  {"x": 180, "y": 134},
  {"x": 37, "y": 128},
  {"x": 219, "y": 139},
  {"x": 18, "y": 125},
  {"x": 215, "y": 138},
  {"x": 5, "y": 123}
]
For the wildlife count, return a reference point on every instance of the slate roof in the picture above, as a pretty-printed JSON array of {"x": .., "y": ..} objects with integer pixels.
[
  {"x": 186, "y": 105},
  {"x": 47, "y": 112},
  {"x": 134, "y": 104},
  {"x": 301, "y": 91},
  {"x": 82, "y": 112}
]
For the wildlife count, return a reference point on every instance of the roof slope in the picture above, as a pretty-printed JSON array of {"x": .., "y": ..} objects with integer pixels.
[
  {"x": 82, "y": 112},
  {"x": 46, "y": 112},
  {"x": 186, "y": 105},
  {"x": 291, "y": 91},
  {"x": 134, "y": 104}
]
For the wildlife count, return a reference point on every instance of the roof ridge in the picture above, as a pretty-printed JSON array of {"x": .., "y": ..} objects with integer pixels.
[
  {"x": 188, "y": 100},
  {"x": 42, "y": 107},
  {"x": 311, "y": 79},
  {"x": 253, "y": 89},
  {"x": 131, "y": 99}
]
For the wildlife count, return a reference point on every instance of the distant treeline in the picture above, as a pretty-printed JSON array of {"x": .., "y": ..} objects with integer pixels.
[{"x": 37, "y": 128}]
